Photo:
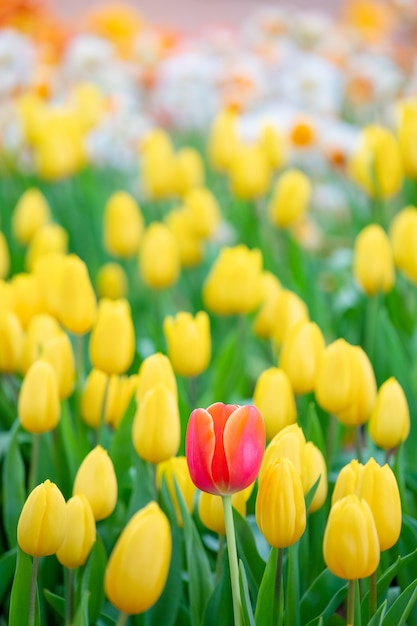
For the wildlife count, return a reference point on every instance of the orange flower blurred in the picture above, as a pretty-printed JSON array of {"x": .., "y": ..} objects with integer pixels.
[
  {"x": 371, "y": 19},
  {"x": 118, "y": 23}
]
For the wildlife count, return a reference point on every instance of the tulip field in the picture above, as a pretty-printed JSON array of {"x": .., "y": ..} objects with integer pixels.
[{"x": 208, "y": 318}]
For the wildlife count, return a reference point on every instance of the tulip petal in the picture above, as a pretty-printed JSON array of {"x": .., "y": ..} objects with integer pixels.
[
  {"x": 219, "y": 468},
  {"x": 200, "y": 443}
]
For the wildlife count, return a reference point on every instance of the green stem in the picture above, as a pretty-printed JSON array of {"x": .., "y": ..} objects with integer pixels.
[
  {"x": 122, "y": 619},
  {"x": 32, "y": 593},
  {"x": 331, "y": 435},
  {"x": 372, "y": 308},
  {"x": 278, "y": 588},
  {"x": 373, "y": 597},
  {"x": 351, "y": 603},
  {"x": 70, "y": 597},
  {"x": 358, "y": 443},
  {"x": 34, "y": 462},
  {"x": 79, "y": 359},
  {"x": 233, "y": 563},
  {"x": 102, "y": 426},
  {"x": 219, "y": 558}
]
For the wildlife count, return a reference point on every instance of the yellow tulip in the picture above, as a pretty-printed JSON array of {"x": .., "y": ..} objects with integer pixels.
[
  {"x": 403, "y": 237},
  {"x": 81, "y": 533},
  {"x": 273, "y": 144},
  {"x": 313, "y": 466},
  {"x": 43, "y": 521},
  {"x": 373, "y": 261},
  {"x": 335, "y": 377},
  {"x": 176, "y": 468},
  {"x": 4, "y": 256},
  {"x": 121, "y": 391},
  {"x": 6, "y": 296},
  {"x": 39, "y": 407},
  {"x": 389, "y": 423},
  {"x": 351, "y": 545},
  {"x": 407, "y": 135},
  {"x": 290, "y": 198},
  {"x": 96, "y": 479},
  {"x": 40, "y": 329},
  {"x": 59, "y": 353},
  {"x": 48, "y": 271},
  {"x": 189, "y": 342},
  {"x": 112, "y": 340},
  {"x": 290, "y": 443},
  {"x": 156, "y": 368},
  {"x": 49, "y": 239},
  {"x": 112, "y": 282},
  {"x": 301, "y": 351},
  {"x": 156, "y": 425},
  {"x": 11, "y": 342},
  {"x": 138, "y": 565},
  {"x": 280, "y": 507},
  {"x": 274, "y": 397},
  {"x": 347, "y": 480},
  {"x": 78, "y": 306},
  {"x": 263, "y": 324},
  {"x": 363, "y": 390},
  {"x": 223, "y": 140},
  {"x": 30, "y": 213},
  {"x": 210, "y": 508},
  {"x": 159, "y": 257},
  {"x": 190, "y": 246},
  {"x": 157, "y": 167},
  {"x": 123, "y": 225},
  {"x": 93, "y": 398},
  {"x": 27, "y": 296},
  {"x": 188, "y": 170},
  {"x": 290, "y": 310},
  {"x": 204, "y": 210},
  {"x": 249, "y": 173}
]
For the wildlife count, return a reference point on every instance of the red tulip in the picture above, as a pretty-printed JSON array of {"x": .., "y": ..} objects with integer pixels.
[{"x": 224, "y": 447}]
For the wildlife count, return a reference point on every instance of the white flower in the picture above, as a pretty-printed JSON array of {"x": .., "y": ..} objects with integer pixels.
[{"x": 17, "y": 62}]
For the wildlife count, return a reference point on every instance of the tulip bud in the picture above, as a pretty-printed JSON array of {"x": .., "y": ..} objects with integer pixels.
[
  {"x": 289, "y": 443},
  {"x": 30, "y": 213},
  {"x": 123, "y": 225},
  {"x": 280, "y": 507},
  {"x": 204, "y": 210},
  {"x": 156, "y": 368},
  {"x": 138, "y": 566},
  {"x": 176, "y": 468},
  {"x": 190, "y": 246},
  {"x": 11, "y": 342},
  {"x": 274, "y": 398},
  {"x": 334, "y": 380},
  {"x": 273, "y": 145},
  {"x": 158, "y": 165},
  {"x": 249, "y": 173},
  {"x": 59, "y": 353},
  {"x": 290, "y": 198},
  {"x": 77, "y": 310},
  {"x": 112, "y": 341},
  {"x": 80, "y": 535},
  {"x": 156, "y": 425},
  {"x": 363, "y": 390},
  {"x": 120, "y": 392},
  {"x": 189, "y": 342},
  {"x": 403, "y": 236},
  {"x": 290, "y": 310},
  {"x": 314, "y": 466},
  {"x": 188, "y": 170},
  {"x": 211, "y": 512},
  {"x": 350, "y": 545},
  {"x": 43, "y": 521},
  {"x": 223, "y": 140},
  {"x": 224, "y": 447},
  {"x": 39, "y": 407},
  {"x": 347, "y": 481},
  {"x": 159, "y": 259},
  {"x": 49, "y": 239},
  {"x": 407, "y": 135},
  {"x": 48, "y": 270},
  {"x": 264, "y": 321},
  {"x": 27, "y": 296},
  {"x": 373, "y": 263},
  {"x": 93, "y": 398},
  {"x": 6, "y": 296},
  {"x": 233, "y": 285},
  {"x": 4, "y": 256},
  {"x": 41, "y": 328},
  {"x": 301, "y": 351},
  {"x": 112, "y": 282},
  {"x": 389, "y": 423},
  {"x": 96, "y": 479}
]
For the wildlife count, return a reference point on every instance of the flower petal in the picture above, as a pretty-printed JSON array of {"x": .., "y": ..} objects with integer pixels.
[{"x": 199, "y": 445}]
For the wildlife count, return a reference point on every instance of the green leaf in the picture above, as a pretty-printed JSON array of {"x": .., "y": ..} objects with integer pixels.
[
  {"x": 81, "y": 616},
  {"x": 247, "y": 611},
  {"x": 55, "y": 601},
  {"x": 323, "y": 596},
  {"x": 19, "y": 599},
  {"x": 248, "y": 552},
  {"x": 13, "y": 486},
  {"x": 264, "y": 611},
  {"x": 121, "y": 449},
  {"x": 219, "y": 608},
  {"x": 401, "y": 608},
  {"x": 7, "y": 568},
  {"x": 378, "y": 618},
  {"x": 292, "y": 601},
  {"x": 93, "y": 580},
  {"x": 143, "y": 489}
]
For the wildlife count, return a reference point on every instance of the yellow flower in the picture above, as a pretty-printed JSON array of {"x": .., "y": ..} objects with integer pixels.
[
  {"x": 112, "y": 340},
  {"x": 138, "y": 565},
  {"x": 290, "y": 198},
  {"x": 249, "y": 173},
  {"x": 373, "y": 261},
  {"x": 363, "y": 390},
  {"x": 96, "y": 479},
  {"x": 48, "y": 272},
  {"x": 78, "y": 306},
  {"x": 48, "y": 239},
  {"x": 190, "y": 246},
  {"x": 176, "y": 468},
  {"x": 188, "y": 170},
  {"x": 263, "y": 324},
  {"x": 123, "y": 225},
  {"x": 189, "y": 342},
  {"x": 80, "y": 535},
  {"x": 41, "y": 328},
  {"x": 313, "y": 466},
  {"x": 223, "y": 140},
  {"x": 335, "y": 377},
  {"x": 159, "y": 257},
  {"x": 273, "y": 145},
  {"x": 58, "y": 351},
  {"x": 389, "y": 423},
  {"x": 290, "y": 443},
  {"x": 280, "y": 506},
  {"x": 112, "y": 282},
  {"x": 290, "y": 310},
  {"x": 92, "y": 398},
  {"x": 39, "y": 407},
  {"x": 27, "y": 296},
  {"x": 121, "y": 391},
  {"x": 347, "y": 480},
  {"x": 157, "y": 168},
  {"x": 4, "y": 256},
  {"x": 204, "y": 211},
  {"x": 210, "y": 508},
  {"x": 403, "y": 237},
  {"x": 301, "y": 351},
  {"x": 43, "y": 521},
  {"x": 274, "y": 397},
  {"x": 407, "y": 135},
  {"x": 11, "y": 342},
  {"x": 156, "y": 425},
  {"x": 156, "y": 368},
  {"x": 30, "y": 213},
  {"x": 351, "y": 545}
]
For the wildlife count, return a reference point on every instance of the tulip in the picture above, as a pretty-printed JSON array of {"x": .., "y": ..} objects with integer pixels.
[
  {"x": 190, "y": 246},
  {"x": 264, "y": 321},
  {"x": 43, "y": 521},
  {"x": 156, "y": 368},
  {"x": 335, "y": 377},
  {"x": 290, "y": 443},
  {"x": 4, "y": 256},
  {"x": 373, "y": 262},
  {"x": 123, "y": 225},
  {"x": 189, "y": 342},
  {"x": 138, "y": 565},
  {"x": 121, "y": 390},
  {"x": 376, "y": 165},
  {"x": 48, "y": 270},
  {"x": 11, "y": 342},
  {"x": 249, "y": 173},
  {"x": 290, "y": 198},
  {"x": 112, "y": 282},
  {"x": 274, "y": 398},
  {"x": 211, "y": 510},
  {"x": 290, "y": 310},
  {"x": 233, "y": 285},
  {"x": 158, "y": 165},
  {"x": 156, "y": 425},
  {"x": 223, "y": 140},
  {"x": 280, "y": 506},
  {"x": 112, "y": 341},
  {"x": 403, "y": 237},
  {"x": 80, "y": 535},
  {"x": 96, "y": 479},
  {"x": 40, "y": 329},
  {"x": 224, "y": 447},
  {"x": 77, "y": 310},
  {"x": 407, "y": 135},
  {"x": 350, "y": 545},
  {"x": 313, "y": 467},
  {"x": 39, "y": 407},
  {"x": 363, "y": 390},
  {"x": 159, "y": 259},
  {"x": 96, "y": 387},
  {"x": 204, "y": 210},
  {"x": 49, "y": 239},
  {"x": 27, "y": 296},
  {"x": 59, "y": 353},
  {"x": 188, "y": 170},
  {"x": 6, "y": 296},
  {"x": 347, "y": 480},
  {"x": 389, "y": 423},
  {"x": 176, "y": 469},
  {"x": 30, "y": 213},
  {"x": 273, "y": 145},
  {"x": 301, "y": 351}
]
